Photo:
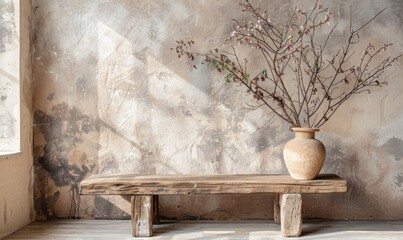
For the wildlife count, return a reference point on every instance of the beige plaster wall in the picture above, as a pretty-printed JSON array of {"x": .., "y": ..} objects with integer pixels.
[
  {"x": 16, "y": 171},
  {"x": 110, "y": 97}
]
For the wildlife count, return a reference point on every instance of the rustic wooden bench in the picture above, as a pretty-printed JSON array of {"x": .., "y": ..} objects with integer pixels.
[{"x": 145, "y": 190}]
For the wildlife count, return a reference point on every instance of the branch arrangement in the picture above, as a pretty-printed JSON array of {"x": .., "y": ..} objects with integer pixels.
[{"x": 302, "y": 83}]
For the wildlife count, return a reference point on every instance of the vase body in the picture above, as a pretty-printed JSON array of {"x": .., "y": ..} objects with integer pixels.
[{"x": 304, "y": 155}]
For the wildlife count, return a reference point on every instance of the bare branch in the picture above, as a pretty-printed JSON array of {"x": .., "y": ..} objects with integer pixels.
[{"x": 300, "y": 83}]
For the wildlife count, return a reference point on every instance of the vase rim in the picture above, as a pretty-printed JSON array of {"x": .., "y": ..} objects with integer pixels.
[{"x": 304, "y": 129}]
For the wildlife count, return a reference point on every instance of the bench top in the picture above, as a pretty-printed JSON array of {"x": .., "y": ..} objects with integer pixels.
[{"x": 134, "y": 184}]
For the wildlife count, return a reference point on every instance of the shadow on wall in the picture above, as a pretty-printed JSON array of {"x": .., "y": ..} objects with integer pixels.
[
  {"x": 59, "y": 163},
  {"x": 372, "y": 184},
  {"x": 62, "y": 160}
]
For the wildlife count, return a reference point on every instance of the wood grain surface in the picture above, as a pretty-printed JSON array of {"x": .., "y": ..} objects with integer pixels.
[
  {"x": 276, "y": 208},
  {"x": 208, "y": 230},
  {"x": 291, "y": 218},
  {"x": 156, "y": 210},
  {"x": 133, "y": 184},
  {"x": 142, "y": 215}
]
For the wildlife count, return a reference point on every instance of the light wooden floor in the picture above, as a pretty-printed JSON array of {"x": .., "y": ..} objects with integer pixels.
[{"x": 101, "y": 229}]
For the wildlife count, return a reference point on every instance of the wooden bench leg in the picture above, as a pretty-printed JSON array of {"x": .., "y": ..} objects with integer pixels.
[
  {"x": 291, "y": 219},
  {"x": 156, "y": 211},
  {"x": 142, "y": 216},
  {"x": 276, "y": 208}
]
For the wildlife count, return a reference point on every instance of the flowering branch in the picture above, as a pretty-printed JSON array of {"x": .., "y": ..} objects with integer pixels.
[{"x": 301, "y": 84}]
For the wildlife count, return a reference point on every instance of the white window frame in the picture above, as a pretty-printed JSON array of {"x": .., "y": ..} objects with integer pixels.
[{"x": 16, "y": 112}]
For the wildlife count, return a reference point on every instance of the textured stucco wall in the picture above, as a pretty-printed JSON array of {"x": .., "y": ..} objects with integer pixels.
[
  {"x": 16, "y": 171},
  {"x": 110, "y": 97}
]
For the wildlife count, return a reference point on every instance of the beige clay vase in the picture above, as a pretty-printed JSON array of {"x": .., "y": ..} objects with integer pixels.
[{"x": 304, "y": 155}]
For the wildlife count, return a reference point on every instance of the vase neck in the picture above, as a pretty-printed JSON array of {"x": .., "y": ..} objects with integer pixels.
[{"x": 307, "y": 133}]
